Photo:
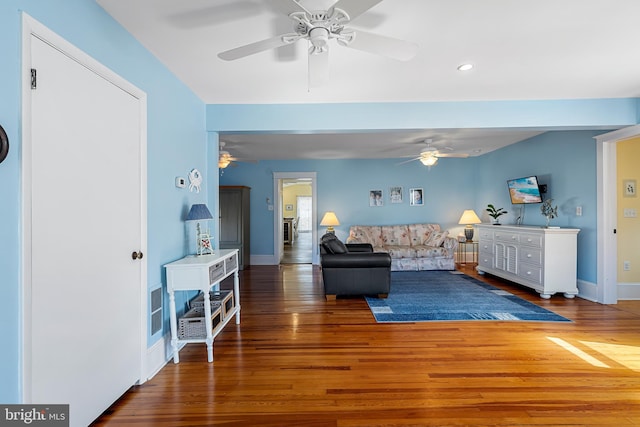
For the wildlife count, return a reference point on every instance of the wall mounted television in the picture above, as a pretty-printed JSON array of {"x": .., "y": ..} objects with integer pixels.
[{"x": 524, "y": 190}]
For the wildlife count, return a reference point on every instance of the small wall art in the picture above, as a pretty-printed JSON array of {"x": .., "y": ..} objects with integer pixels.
[
  {"x": 416, "y": 197},
  {"x": 395, "y": 194},
  {"x": 375, "y": 198}
]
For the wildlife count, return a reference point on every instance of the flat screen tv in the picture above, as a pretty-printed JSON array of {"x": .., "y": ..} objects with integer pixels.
[{"x": 524, "y": 190}]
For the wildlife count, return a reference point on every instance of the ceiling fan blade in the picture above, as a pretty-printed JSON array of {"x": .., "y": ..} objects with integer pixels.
[
  {"x": 252, "y": 48},
  {"x": 355, "y": 8},
  {"x": 407, "y": 161},
  {"x": 318, "y": 69},
  {"x": 289, "y": 6},
  {"x": 382, "y": 45},
  {"x": 459, "y": 155}
]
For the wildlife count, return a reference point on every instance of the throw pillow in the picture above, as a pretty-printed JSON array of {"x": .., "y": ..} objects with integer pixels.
[
  {"x": 332, "y": 245},
  {"x": 437, "y": 238}
]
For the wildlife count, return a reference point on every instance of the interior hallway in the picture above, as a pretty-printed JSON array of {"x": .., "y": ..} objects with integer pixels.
[{"x": 298, "y": 252}]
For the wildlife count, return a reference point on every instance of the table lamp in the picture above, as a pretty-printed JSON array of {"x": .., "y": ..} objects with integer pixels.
[
  {"x": 200, "y": 212},
  {"x": 468, "y": 218},
  {"x": 329, "y": 220}
]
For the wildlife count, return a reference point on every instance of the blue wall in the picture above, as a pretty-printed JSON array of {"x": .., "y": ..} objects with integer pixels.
[
  {"x": 177, "y": 142},
  {"x": 564, "y": 160}
]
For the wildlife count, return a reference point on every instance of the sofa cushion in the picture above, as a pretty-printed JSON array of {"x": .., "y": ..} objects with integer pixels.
[
  {"x": 400, "y": 251},
  {"x": 365, "y": 234},
  {"x": 419, "y": 233},
  {"x": 332, "y": 245},
  {"x": 395, "y": 235},
  {"x": 436, "y": 238},
  {"x": 423, "y": 251}
]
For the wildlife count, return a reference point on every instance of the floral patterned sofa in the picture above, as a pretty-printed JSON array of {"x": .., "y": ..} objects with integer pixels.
[{"x": 411, "y": 246}]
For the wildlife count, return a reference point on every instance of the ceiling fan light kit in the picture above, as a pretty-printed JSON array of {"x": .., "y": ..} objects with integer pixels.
[{"x": 318, "y": 27}]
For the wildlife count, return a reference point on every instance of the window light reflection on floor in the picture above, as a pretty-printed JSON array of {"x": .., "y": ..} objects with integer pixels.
[{"x": 581, "y": 354}]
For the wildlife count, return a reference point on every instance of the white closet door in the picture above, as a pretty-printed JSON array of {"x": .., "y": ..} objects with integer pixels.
[{"x": 85, "y": 222}]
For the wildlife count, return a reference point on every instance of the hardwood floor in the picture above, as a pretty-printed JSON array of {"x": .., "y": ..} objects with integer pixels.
[
  {"x": 298, "y": 360},
  {"x": 298, "y": 252}
]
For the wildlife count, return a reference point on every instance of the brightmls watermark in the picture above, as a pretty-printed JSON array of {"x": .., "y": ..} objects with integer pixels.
[{"x": 34, "y": 415}]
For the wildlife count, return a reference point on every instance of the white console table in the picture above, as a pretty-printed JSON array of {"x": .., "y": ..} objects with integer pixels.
[
  {"x": 200, "y": 273},
  {"x": 544, "y": 259}
]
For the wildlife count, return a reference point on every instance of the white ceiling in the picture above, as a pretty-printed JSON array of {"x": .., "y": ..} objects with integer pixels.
[{"x": 521, "y": 50}]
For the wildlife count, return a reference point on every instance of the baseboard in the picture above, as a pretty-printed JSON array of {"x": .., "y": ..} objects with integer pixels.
[
  {"x": 264, "y": 260},
  {"x": 159, "y": 354},
  {"x": 628, "y": 291},
  {"x": 587, "y": 290}
]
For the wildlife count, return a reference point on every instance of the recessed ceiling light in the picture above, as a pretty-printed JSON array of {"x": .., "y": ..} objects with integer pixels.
[{"x": 465, "y": 67}]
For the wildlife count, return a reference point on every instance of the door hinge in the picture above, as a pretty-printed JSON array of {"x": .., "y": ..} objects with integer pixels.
[{"x": 34, "y": 79}]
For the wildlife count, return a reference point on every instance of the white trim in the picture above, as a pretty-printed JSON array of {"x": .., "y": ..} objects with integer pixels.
[
  {"x": 278, "y": 214},
  {"x": 31, "y": 27},
  {"x": 629, "y": 291},
  {"x": 264, "y": 260},
  {"x": 587, "y": 290},
  {"x": 607, "y": 250}
]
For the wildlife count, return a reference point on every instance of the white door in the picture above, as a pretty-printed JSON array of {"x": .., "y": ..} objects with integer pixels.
[{"x": 84, "y": 187}]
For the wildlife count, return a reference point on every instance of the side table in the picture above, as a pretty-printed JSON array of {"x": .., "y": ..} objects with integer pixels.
[
  {"x": 200, "y": 273},
  {"x": 463, "y": 249}
]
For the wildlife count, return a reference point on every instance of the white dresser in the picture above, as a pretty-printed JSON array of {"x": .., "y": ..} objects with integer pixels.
[{"x": 544, "y": 259}]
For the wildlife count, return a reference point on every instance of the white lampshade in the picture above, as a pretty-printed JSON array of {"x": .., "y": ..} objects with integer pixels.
[
  {"x": 329, "y": 220},
  {"x": 469, "y": 217}
]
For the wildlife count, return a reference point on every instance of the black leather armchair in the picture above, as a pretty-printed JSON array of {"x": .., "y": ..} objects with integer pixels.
[{"x": 353, "y": 269}]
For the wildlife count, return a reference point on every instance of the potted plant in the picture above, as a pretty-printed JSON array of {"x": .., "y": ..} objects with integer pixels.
[
  {"x": 495, "y": 213},
  {"x": 549, "y": 211}
]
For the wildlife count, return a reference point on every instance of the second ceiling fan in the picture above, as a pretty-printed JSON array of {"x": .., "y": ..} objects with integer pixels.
[
  {"x": 320, "y": 26},
  {"x": 430, "y": 155}
]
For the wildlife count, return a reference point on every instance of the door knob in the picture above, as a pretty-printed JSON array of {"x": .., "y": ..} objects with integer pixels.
[{"x": 136, "y": 255}]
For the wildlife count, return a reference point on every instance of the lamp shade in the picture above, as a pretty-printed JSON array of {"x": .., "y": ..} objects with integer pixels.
[
  {"x": 199, "y": 212},
  {"x": 329, "y": 219},
  {"x": 469, "y": 217}
]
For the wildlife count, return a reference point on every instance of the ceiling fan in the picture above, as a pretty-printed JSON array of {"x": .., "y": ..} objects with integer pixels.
[
  {"x": 225, "y": 158},
  {"x": 320, "y": 26},
  {"x": 430, "y": 155}
]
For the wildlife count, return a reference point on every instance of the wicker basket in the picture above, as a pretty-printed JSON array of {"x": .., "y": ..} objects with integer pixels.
[{"x": 193, "y": 325}]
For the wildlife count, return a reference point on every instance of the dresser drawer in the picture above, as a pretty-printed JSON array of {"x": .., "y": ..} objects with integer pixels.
[
  {"x": 485, "y": 260},
  {"x": 505, "y": 236},
  {"x": 530, "y": 255},
  {"x": 231, "y": 263},
  {"x": 485, "y": 234},
  {"x": 530, "y": 273},
  {"x": 534, "y": 240},
  {"x": 485, "y": 247},
  {"x": 216, "y": 272}
]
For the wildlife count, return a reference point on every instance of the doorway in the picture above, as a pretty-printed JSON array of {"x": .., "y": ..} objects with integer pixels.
[
  {"x": 295, "y": 218},
  {"x": 297, "y": 197}
]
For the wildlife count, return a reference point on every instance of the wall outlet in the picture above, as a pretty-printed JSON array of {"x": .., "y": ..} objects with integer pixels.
[
  {"x": 629, "y": 213},
  {"x": 626, "y": 265},
  {"x": 578, "y": 210}
]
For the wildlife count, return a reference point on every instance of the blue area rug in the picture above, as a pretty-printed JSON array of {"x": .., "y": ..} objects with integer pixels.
[{"x": 422, "y": 296}]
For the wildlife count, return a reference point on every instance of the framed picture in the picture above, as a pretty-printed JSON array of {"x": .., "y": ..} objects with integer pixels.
[
  {"x": 288, "y": 207},
  {"x": 416, "y": 197},
  {"x": 629, "y": 188},
  {"x": 395, "y": 194},
  {"x": 375, "y": 198}
]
